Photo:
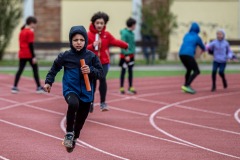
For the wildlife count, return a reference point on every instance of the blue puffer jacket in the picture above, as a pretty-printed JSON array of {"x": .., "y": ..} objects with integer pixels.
[
  {"x": 190, "y": 41},
  {"x": 73, "y": 80}
]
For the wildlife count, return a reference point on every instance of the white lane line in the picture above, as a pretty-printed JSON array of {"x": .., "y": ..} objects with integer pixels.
[
  {"x": 141, "y": 114},
  {"x": 153, "y": 115},
  {"x": 32, "y": 91},
  {"x": 43, "y": 109},
  {"x": 177, "y": 121},
  {"x": 139, "y": 133},
  {"x": 8, "y": 100},
  {"x": 198, "y": 125},
  {"x": 176, "y": 90},
  {"x": 19, "y": 103},
  {"x": 204, "y": 110},
  {"x": 82, "y": 142},
  {"x": 9, "y": 107},
  {"x": 138, "y": 113},
  {"x": 128, "y": 111},
  {"x": 236, "y": 115},
  {"x": 90, "y": 146},
  {"x": 114, "y": 100},
  {"x": 182, "y": 106},
  {"x": 3, "y": 158},
  {"x": 33, "y": 130}
]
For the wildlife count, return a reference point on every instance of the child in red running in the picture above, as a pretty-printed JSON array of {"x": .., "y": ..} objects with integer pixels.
[
  {"x": 127, "y": 56},
  {"x": 99, "y": 42},
  {"x": 74, "y": 89},
  {"x": 26, "y": 53}
]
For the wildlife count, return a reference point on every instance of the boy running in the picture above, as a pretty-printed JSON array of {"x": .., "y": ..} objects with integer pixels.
[{"x": 74, "y": 89}]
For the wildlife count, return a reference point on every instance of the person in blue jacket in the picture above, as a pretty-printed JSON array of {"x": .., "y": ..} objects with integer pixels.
[
  {"x": 187, "y": 52},
  {"x": 74, "y": 89},
  {"x": 220, "y": 49}
]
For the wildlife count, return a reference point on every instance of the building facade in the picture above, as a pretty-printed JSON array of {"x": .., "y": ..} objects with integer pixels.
[{"x": 55, "y": 18}]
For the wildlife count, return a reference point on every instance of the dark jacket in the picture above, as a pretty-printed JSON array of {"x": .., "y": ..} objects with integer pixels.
[
  {"x": 191, "y": 40},
  {"x": 73, "y": 80}
]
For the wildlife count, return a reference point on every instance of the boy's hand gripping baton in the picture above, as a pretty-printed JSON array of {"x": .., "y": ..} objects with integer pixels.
[{"x": 86, "y": 79}]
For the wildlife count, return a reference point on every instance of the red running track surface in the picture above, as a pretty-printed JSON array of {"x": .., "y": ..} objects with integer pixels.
[{"x": 160, "y": 122}]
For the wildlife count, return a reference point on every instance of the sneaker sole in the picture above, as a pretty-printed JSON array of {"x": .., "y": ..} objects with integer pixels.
[
  {"x": 131, "y": 92},
  {"x": 186, "y": 91},
  {"x": 39, "y": 92},
  {"x": 14, "y": 92},
  {"x": 104, "y": 110}
]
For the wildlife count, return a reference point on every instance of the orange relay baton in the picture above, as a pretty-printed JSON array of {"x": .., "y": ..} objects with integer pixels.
[{"x": 86, "y": 79}]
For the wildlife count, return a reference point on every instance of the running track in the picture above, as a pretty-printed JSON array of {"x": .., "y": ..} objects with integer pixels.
[{"x": 160, "y": 122}]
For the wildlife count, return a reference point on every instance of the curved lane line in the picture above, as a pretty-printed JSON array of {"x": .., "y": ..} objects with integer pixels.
[
  {"x": 3, "y": 158},
  {"x": 237, "y": 115},
  {"x": 88, "y": 145},
  {"x": 198, "y": 125},
  {"x": 33, "y": 130},
  {"x": 154, "y": 114}
]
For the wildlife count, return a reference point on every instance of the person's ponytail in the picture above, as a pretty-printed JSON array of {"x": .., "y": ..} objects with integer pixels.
[
  {"x": 23, "y": 26},
  {"x": 29, "y": 20}
]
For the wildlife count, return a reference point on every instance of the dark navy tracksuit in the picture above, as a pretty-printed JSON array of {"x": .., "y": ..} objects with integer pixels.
[{"x": 74, "y": 89}]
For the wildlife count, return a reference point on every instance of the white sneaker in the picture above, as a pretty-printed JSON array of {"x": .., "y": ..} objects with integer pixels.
[
  {"x": 14, "y": 90},
  {"x": 104, "y": 107},
  {"x": 40, "y": 90}
]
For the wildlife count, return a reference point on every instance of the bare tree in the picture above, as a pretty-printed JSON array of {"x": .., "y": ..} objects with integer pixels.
[{"x": 10, "y": 14}]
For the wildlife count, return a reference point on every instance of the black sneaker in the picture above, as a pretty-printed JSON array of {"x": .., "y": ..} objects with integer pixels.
[
  {"x": 68, "y": 140},
  {"x": 14, "y": 90},
  {"x": 39, "y": 90},
  {"x": 91, "y": 108},
  {"x": 225, "y": 85},
  {"x": 213, "y": 88},
  {"x": 69, "y": 150}
]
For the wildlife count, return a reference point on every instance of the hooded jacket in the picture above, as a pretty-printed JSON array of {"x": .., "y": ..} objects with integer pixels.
[
  {"x": 191, "y": 40},
  {"x": 221, "y": 49},
  {"x": 107, "y": 40},
  {"x": 128, "y": 37},
  {"x": 73, "y": 80}
]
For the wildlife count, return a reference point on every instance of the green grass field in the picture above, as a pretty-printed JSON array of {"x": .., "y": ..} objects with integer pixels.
[{"x": 116, "y": 74}]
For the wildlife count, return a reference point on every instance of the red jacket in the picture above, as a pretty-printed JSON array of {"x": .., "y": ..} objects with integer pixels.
[
  {"x": 26, "y": 36},
  {"x": 107, "y": 40}
]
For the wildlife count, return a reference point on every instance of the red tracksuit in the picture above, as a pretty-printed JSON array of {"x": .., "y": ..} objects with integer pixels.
[{"x": 107, "y": 40}]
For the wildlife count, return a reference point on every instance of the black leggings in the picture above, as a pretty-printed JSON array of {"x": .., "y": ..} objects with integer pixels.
[
  {"x": 76, "y": 114},
  {"x": 102, "y": 84},
  {"x": 22, "y": 64},
  {"x": 130, "y": 76},
  {"x": 191, "y": 65}
]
